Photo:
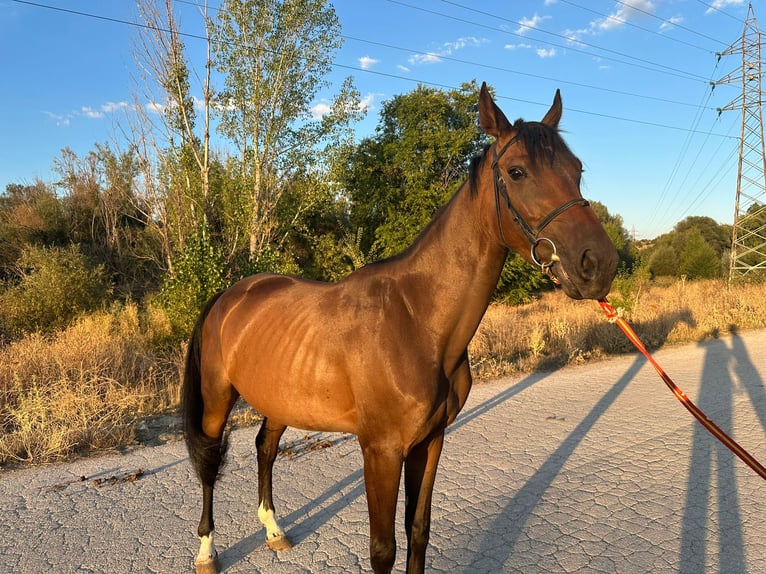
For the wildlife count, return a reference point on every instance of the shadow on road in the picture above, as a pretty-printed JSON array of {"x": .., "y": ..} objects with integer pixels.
[
  {"x": 480, "y": 409},
  {"x": 712, "y": 501},
  {"x": 300, "y": 525},
  {"x": 516, "y": 513},
  {"x": 512, "y": 519}
]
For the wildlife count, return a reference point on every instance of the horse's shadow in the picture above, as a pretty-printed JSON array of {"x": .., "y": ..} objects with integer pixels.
[
  {"x": 306, "y": 520},
  {"x": 512, "y": 519},
  {"x": 302, "y": 522}
]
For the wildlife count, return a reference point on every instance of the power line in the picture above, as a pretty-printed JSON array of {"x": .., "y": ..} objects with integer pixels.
[
  {"x": 510, "y": 71},
  {"x": 488, "y": 66},
  {"x": 354, "y": 68},
  {"x": 679, "y": 160},
  {"x": 659, "y": 68},
  {"x": 670, "y": 22},
  {"x": 647, "y": 30},
  {"x": 711, "y": 8}
]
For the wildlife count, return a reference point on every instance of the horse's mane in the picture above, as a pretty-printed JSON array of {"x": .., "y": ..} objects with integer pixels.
[{"x": 541, "y": 142}]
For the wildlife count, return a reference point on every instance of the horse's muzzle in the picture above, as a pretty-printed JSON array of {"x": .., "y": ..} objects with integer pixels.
[{"x": 590, "y": 275}]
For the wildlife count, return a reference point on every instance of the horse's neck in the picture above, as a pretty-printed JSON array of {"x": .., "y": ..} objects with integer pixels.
[{"x": 458, "y": 263}]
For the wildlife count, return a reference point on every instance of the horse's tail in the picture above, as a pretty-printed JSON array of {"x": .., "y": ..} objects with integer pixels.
[{"x": 206, "y": 453}]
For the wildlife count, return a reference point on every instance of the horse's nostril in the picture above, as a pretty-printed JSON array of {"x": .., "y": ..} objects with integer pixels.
[{"x": 588, "y": 265}]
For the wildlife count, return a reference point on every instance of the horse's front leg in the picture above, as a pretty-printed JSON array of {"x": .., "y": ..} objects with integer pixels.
[
  {"x": 419, "y": 475},
  {"x": 382, "y": 472},
  {"x": 267, "y": 446}
]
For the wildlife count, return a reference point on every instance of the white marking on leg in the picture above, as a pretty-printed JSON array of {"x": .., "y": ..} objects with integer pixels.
[
  {"x": 273, "y": 530},
  {"x": 206, "y": 548}
]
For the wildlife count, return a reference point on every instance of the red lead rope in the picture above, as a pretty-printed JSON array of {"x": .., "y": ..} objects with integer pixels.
[{"x": 714, "y": 429}]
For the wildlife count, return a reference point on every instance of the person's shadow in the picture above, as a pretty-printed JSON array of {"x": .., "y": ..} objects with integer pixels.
[
  {"x": 512, "y": 520},
  {"x": 712, "y": 483}
]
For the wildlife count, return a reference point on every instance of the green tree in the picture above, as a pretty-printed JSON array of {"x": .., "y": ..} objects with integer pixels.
[
  {"x": 520, "y": 281},
  {"x": 699, "y": 259},
  {"x": 397, "y": 179},
  {"x": 197, "y": 276},
  {"x": 716, "y": 235},
  {"x": 695, "y": 248},
  {"x": 663, "y": 261},
  {"x": 106, "y": 219},
  {"x": 274, "y": 57},
  {"x": 615, "y": 229}
]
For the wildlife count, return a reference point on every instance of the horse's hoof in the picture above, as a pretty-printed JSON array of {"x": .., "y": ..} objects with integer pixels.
[
  {"x": 279, "y": 543},
  {"x": 207, "y": 566}
]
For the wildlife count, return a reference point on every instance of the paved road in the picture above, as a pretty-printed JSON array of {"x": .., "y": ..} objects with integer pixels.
[{"x": 588, "y": 469}]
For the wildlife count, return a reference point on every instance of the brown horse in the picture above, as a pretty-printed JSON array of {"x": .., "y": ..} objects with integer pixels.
[{"x": 383, "y": 353}]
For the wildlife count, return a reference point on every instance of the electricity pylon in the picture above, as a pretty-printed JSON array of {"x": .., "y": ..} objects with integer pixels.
[{"x": 748, "y": 243}]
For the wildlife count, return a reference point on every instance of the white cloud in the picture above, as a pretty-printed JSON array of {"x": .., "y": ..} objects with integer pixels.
[
  {"x": 91, "y": 113},
  {"x": 110, "y": 107},
  {"x": 716, "y": 5},
  {"x": 199, "y": 103},
  {"x": 404, "y": 69},
  {"x": 447, "y": 49},
  {"x": 88, "y": 112},
  {"x": 367, "y": 63},
  {"x": 367, "y": 103},
  {"x": 320, "y": 110},
  {"x": 461, "y": 43},
  {"x": 543, "y": 53},
  {"x": 60, "y": 120},
  {"x": 324, "y": 107},
  {"x": 429, "y": 58},
  {"x": 160, "y": 107},
  {"x": 670, "y": 22},
  {"x": 156, "y": 107},
  {"x": 627, "y": 11},
  {"x": 527, "y": 24},
  {"x": 574, "y": 36},
  {"x": 521, "y": 46}
]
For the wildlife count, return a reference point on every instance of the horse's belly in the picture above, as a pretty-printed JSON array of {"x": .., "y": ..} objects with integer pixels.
[{"x": 310, "y": 393}]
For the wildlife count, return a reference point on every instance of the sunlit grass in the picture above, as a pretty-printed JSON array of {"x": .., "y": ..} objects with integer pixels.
[{"x": 87, "y": 388}]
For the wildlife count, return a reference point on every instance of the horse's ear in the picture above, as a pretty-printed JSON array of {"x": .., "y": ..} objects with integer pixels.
[
  {"x": 491, "y": 118},
  {"x": 553, "y": 116}
]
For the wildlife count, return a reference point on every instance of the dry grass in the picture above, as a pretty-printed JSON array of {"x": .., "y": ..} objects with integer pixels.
[
  {"x": 84, "y": 388},
  {"x": 555, "y": 331},
  {"x": 88, "y": 388}
]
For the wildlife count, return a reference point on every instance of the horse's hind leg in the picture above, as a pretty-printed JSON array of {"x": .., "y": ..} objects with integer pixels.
[
  {"x": 267, "y": 445},
  {"x": 207, "y": 457}
]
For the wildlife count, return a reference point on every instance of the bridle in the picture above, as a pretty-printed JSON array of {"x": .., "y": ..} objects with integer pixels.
[{"x": 532, "y": 234}]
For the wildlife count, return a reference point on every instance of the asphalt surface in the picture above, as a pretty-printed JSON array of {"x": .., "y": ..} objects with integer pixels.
[{"x": 592, "y": 469}]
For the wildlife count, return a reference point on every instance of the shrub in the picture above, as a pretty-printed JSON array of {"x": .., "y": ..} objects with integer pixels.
[
  {"x": 519, "y": 281},
  {"x": 699, "y": 259},
  {"x": 197, "y": 275},
  {"x": 52, "y": 286}
]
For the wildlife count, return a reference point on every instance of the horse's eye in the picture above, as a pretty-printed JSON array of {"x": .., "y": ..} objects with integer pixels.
[{"x": 516, "y": 173}]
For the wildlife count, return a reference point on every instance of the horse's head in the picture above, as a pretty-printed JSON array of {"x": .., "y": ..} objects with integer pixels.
[{"x": 540, "y": 211}]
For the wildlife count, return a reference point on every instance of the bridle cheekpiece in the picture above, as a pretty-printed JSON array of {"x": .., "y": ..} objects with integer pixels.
[{"x": 532, "y": 234}]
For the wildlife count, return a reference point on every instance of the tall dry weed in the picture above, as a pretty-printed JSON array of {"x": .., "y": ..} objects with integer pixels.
[
  {"x": 554, "y": 330},
  {"x": 83, "y": 388}
]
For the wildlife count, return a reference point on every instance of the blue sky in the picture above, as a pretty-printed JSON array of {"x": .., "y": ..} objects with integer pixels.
[{"x": 635, "y": 78}]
